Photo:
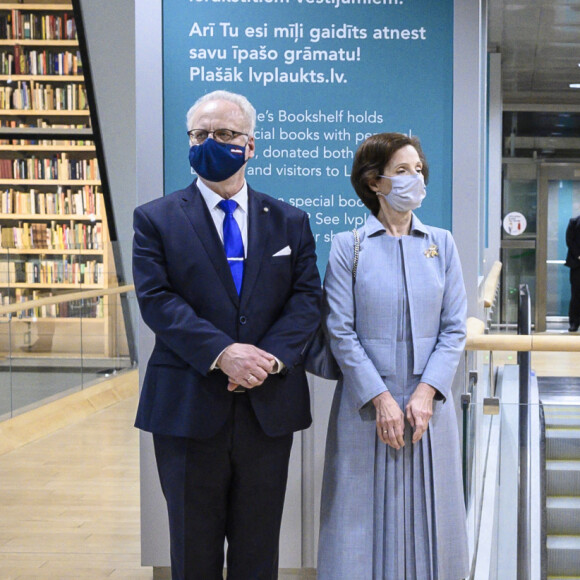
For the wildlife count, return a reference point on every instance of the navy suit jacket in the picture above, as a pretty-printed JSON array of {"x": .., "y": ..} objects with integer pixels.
[{"x": 187, "y": 296}]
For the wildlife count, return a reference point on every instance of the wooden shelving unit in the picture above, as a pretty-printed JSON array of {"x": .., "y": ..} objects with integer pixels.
[{"x": 42, "y": 253}]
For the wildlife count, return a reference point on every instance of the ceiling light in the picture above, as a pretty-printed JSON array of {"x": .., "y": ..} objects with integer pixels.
[{"x": 575, "y": 85}]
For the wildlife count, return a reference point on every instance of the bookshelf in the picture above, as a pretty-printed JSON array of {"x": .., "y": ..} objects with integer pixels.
[{"x": 53, "y": 224}]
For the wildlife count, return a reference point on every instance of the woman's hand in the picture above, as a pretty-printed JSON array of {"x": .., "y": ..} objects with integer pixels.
[
  {"x": 390, "y": 420},
  {"x": 419, "y": 409}
]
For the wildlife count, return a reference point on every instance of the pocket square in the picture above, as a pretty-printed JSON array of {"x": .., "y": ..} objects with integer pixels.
[{"x": 283, "y": 252}]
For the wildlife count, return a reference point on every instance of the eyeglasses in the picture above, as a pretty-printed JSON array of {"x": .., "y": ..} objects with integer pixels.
[{"x": 198, "y": 136}]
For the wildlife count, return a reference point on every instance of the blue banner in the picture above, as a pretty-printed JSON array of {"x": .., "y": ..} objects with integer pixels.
[{"x": 323, "y": 75}]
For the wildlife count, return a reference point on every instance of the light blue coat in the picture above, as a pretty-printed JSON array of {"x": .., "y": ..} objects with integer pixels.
[
  {"x": 366, "y": 356},
  {"x": 437, "y": 302}
]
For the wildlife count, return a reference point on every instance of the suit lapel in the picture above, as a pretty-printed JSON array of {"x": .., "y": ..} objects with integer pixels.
[
  {"x": 198, "y": 215},
  {"x": 258, "y": 234}
]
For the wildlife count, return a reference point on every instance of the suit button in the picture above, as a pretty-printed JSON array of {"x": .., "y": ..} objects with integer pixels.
[{"x": 243, "y": 320}]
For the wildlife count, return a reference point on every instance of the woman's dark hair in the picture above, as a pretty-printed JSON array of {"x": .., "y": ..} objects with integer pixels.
[{"x": 371, "y": 158}]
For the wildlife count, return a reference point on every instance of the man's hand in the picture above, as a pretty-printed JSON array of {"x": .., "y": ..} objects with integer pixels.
[
  {"x": 245, "y": 365},
  {"x": 420, "y": 409}
]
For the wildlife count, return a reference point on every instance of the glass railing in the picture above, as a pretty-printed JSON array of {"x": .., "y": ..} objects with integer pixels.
[
  {"x": 65, "y": 323},
  {"x": 521, "y": 457},
  {"x": 479, "y": 412}
]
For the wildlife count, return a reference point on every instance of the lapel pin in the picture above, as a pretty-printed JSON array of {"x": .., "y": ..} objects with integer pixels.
[
  {"x": 266, "y": 210},
  {"x": 431, "y": 251}
]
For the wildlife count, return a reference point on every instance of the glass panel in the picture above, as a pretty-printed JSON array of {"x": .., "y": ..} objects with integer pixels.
[
  {"x": 54, "y": 347},
  {"x": 563, "y": 203},
  {"x": 498, "y": 459},
  {"x": 519, "y": 267},
  {"x": 5, "y": 370},
  {"x": 45, "y": 359},
  {"x": 493, "y": 448},
  {"x": 520, "y": 195},
  {"x": 473, "y": 439},
  {"x": 123, "y": 322}
]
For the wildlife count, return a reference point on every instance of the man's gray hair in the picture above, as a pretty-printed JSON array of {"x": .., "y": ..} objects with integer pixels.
[{"x": 245, "y": 106}]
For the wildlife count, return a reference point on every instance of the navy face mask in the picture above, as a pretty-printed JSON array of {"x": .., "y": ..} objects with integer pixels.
[{"x": 216, "y": 161}]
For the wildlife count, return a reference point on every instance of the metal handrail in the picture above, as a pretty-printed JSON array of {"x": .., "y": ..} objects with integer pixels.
[{"x": 525, "y": 444}]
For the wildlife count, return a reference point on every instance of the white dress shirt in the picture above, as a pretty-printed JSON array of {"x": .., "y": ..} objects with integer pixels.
[{"x": 212, "y": 200}]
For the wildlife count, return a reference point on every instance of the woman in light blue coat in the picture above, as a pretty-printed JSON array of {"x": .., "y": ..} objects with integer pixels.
[{"x": 392, "y": 500}]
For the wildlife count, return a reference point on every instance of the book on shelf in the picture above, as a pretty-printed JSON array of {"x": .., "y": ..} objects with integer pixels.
[
  {"x": 7, "y": 237},
  {"x": 19, "y": 271},
  {"x": 57, "y": 167},
  {"x": 24, "y": 241},
  {"x": 5, "y": 168},
  {"x": 20, "y": 24},
  {"x": 54, "y": 272},
  {"x": 57, "y": 236},
  {"x": 43, "y": 96},
  {"x": 7, "y": 272},
  {"x": 46, "y": 310},
  {"x": 44, "y": 124},
  {"x": 86, "y": 308},
  {"x": 52, "y": 223},
  {"x": 12, "y": 271},
  {"x": 40, "y": 236},
  {"x": 84, "y": 201},
  {"x": 19, "y": 60}
]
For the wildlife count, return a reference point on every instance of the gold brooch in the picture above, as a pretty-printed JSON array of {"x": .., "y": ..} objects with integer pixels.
[{"x": 432, "y": 251}]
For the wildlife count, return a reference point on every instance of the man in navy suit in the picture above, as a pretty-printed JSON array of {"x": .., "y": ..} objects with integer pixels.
[{"x": 232, "y": 292}]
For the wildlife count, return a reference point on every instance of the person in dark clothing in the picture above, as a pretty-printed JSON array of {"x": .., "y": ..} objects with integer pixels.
[{"x": 573, "y": 262}]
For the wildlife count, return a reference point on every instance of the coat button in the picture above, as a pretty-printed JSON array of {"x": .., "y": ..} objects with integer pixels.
[{"x": 243, "y": 320}]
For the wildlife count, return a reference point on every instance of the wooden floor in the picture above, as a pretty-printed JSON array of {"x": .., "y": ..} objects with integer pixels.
[
  {"x": 69, "y": 502},
  {"x": 545, "y": 364}
]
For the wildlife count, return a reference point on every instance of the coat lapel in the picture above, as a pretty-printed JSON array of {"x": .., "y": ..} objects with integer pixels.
[
  {"x": 258, "y": 234},
  {"x": 198, "y": 215}
]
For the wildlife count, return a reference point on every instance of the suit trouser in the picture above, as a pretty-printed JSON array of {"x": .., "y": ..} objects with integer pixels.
[
  {"x": 574, "y": 310},
  {"x": 230, "y": 486}
]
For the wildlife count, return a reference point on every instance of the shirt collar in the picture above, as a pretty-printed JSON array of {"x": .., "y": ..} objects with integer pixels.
[
  {"x": 418, "y": 226},
  {"x": 212, "y": 198},
  {"x": 374, "y": 227}
]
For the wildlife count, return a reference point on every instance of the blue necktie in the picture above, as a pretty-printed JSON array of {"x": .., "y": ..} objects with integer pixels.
[{"x": 233, "y": 244}]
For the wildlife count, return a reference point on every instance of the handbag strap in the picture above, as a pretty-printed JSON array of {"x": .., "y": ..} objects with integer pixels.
[
  {"x": 354, "y": 267},
  {"x": 356, "y": 253}
]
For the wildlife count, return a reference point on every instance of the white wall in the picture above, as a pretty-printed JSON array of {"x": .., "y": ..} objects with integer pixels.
[
  {"x": 110, "y": 33},
  {"x": 468, "y": 137},
  {"x": 492, "y": 252}
]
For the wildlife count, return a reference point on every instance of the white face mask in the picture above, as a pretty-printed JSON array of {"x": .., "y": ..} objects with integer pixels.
[{"x": 407, "y": 193}]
